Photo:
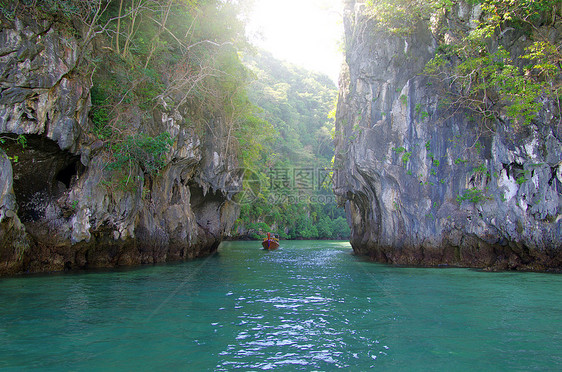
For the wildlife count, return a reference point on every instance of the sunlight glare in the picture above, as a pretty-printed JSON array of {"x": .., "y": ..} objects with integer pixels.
[{"x": 304, "y": 32}]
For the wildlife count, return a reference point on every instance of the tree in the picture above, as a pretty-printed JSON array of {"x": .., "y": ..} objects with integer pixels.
[
  {"x": 325, "y": 228},
  {"x": 341, "y": 229}
]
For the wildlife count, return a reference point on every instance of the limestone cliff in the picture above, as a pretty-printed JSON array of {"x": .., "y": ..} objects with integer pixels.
[
  {"x": 424, "y": 186},
  {"x": 56, "y": 208}
]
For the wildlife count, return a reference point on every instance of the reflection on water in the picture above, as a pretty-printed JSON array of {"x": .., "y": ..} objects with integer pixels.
[
  {"x": 306, "y": 316},
  {"x": 307, "y": 306}
]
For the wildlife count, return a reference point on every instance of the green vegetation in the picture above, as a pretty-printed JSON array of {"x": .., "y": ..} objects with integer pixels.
[
  {"x": 478, "y": 147},
  {"x": 296, "y": 102},
  {"x": 472, "y": 195},
  {"x": 406, "y": 157},
  {"x": 481, "y": 75},
  {"x": 168, "y": 56},
  {"x": 143, "y": 151},
  {"x": 149, "y": 60},
  {"x": 491, "y": 81},
  {"x": 20, "y": 140},
  {"x": 293, "y": 220},
  {"x": 481, "y": 169},
  {"x": 521, "y": 180},
  {"x": 156, "y": 58},
  {"x": 295, "y": 197},
  {"x": 400, "y": 17},
  {"x": 478, "y": 70}
]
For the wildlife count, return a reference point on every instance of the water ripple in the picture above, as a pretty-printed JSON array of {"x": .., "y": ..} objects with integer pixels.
[{"x": 307, "y": 306}]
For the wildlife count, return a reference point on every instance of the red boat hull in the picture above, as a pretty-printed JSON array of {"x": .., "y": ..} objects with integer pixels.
[{"x": 270, "y": 244}]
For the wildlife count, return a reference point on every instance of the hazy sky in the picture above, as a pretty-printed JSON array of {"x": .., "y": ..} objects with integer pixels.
[{"x": 304, "y": 32}]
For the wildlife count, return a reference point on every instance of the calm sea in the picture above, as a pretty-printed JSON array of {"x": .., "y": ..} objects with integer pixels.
[{"x": 311, "y": 305}]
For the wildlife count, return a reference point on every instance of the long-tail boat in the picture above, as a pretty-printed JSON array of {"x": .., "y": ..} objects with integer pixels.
[{"x": 270, "y": 242}]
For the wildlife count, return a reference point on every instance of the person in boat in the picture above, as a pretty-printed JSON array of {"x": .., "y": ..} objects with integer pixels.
[{"x": 271, "y": 238}]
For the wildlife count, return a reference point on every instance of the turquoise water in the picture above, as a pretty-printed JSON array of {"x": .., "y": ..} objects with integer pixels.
[{"x": 307, "y": 306}]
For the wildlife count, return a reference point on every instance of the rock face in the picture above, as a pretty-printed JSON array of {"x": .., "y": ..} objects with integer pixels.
[
  {"x": 422, "y": 186},
  {"x": 56, "y": 209}
]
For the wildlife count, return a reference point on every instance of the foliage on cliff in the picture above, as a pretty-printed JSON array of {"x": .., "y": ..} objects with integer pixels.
[
  {"x": 158, "y": 57},
  {"x": 481, "y": 73},
  {"x": 402, "y": 16},
  {"x": 445, "y": 169},
  {"x": 176, "y": 55}
]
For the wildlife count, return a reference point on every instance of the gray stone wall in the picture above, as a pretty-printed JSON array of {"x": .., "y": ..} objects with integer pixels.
[
  {"x": 424, "y": 186},
  {"x": 56, "y": 209}
]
